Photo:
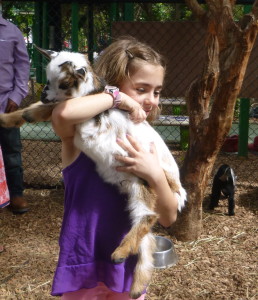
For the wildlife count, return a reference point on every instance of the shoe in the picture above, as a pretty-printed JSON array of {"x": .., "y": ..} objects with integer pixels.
[{"x": 18, "y": 205}]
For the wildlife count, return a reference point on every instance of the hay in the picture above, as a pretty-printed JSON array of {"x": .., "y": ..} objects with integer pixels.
[{"x": 221, "y": 264}]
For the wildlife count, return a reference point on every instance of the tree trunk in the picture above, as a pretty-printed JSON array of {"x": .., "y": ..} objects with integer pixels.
[{"x": 228, "y": 50}]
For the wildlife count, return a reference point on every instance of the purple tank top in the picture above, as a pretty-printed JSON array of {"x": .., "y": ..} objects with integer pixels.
[{"x": 94, "y": 223}]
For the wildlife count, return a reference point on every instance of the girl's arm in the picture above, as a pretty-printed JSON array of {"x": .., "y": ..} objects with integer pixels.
[
  {"x": 146, "y": 165},
  {"x": 69, "y": 113}
]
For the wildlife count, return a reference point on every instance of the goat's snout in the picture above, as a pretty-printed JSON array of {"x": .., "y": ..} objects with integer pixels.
[{"x": 44, "y": 94}]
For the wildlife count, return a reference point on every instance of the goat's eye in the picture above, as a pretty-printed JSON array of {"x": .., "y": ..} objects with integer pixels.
[{"x": 64, "y": 85}]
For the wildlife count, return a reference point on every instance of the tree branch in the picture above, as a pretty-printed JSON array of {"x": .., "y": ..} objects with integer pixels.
[
  {"x": 250, "y": 19},
  {"x": 255, "y": 9},
  {"x": 196, "y": 8}
]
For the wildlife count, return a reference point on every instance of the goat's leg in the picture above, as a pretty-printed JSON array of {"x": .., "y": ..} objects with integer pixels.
[
  {"x": 131, "y": 242},
  {"x": 36, "y": 112},
  {"x": 215, "y": 195},
  {"x": 144, "y": 266},
  {"x": 141, "y": 205},
  {"x": 13, "y": 119},
  {"x": 141, "y": 199},
  {"x": 231, "y": 205}
]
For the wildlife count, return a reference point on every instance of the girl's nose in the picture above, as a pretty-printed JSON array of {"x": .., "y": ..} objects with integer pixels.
[{"x": 151, "y": 100}]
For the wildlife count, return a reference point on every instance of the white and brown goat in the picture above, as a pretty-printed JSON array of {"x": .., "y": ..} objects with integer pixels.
[{"x": 70, "y": 75}]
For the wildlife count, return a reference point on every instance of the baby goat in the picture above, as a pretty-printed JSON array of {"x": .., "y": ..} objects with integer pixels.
[
  {"x": 224, "y": 182},
  {"x": 70, "y": 75}
]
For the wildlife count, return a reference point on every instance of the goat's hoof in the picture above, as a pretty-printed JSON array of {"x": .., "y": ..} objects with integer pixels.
[
  {"x": 119, "y": 255},
  {"x": 118, "y": 260},
  {"x": 231, "y": 213},
  {"x": 135, "y": 295}
]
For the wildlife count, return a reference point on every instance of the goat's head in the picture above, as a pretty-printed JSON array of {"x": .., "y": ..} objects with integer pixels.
[
  {"x": 226, "y": 174},
  {"x": 69, "y": 75}
]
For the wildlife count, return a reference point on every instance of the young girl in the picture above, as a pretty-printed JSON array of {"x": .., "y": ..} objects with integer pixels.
[{"x": 95, "y": 215}]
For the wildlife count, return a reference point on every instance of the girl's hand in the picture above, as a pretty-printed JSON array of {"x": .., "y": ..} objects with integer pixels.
[
  {"x": 140, "y": 162},
  {"x": 136, "y": 112},
  {"x": 145, "y": 164}
]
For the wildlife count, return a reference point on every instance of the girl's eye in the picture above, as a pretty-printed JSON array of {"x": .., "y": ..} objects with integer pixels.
[
  {"x": 141, "y": 90},
  {"x": 157, "y": 93}
]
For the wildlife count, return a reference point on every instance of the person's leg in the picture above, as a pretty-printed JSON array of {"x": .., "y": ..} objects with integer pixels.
[
  {"x": 101, "y": 292},
  {"x": 98, "y": 293},
  {"x": 11, "y": 149},
  {"x": 122, "y": 296}
]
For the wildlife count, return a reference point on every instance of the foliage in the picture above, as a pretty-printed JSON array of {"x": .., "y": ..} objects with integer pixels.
[
  {"x": 237, "y": 108},
  {"x": 101, "y": 26},
  {"x": 238, "y": 12},
  {"x": 161, "y": 12},
  {"x": 20, "y": 13}
]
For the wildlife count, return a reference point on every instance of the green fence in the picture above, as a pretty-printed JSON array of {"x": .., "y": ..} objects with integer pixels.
[{"x": 89, "y": 27}]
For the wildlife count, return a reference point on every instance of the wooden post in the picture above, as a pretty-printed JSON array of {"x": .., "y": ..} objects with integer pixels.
[
  {"x": 243, "y": 127},
  {"x": 37, "y": 26},
  {"x": 244, "y": 116},
  {"x": 75, "y": 18}
]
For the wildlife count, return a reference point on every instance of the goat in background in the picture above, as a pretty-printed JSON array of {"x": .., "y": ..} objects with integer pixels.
[{"x": 224, "y": 182}]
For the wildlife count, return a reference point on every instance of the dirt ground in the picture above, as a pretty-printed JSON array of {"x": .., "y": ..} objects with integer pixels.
[{"x": 221, "y": 264}]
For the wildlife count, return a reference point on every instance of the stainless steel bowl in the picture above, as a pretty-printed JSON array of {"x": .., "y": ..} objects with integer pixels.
[{"x": 165, "y": 255}]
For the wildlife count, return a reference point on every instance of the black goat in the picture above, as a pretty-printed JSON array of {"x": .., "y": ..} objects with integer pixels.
[{"x": 224, "y": 181}]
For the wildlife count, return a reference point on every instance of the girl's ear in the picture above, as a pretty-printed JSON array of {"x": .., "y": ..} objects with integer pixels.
[{"x": 49, "y": 54}]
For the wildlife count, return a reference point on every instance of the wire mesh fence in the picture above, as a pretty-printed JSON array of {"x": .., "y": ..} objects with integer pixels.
[{"x": 86, "y": 27}]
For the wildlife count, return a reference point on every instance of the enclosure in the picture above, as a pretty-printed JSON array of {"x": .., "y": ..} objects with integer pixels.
[
  {"x": 88, "y": 27},
  {"x": 169, "y": 26}
]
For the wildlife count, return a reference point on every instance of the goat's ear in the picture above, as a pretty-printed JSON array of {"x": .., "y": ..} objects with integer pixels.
[{"x": 49, "y": 54}]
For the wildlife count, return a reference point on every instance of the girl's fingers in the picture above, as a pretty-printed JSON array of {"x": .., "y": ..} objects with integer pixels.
[
  {"x": 123, "y": 169},
  {"x": 125, "y": 159},
  {"x": 132, "y": 148},
  {"x": 133, "y": 142},
  {"x": 127, "y": 147},
  {"x": 138, "y": 116}
]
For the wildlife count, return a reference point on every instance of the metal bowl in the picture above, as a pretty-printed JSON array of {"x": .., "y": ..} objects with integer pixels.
[{"x": 165, "y": 255}]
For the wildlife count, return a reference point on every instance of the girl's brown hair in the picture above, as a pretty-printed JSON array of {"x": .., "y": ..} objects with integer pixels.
[{"x": 123, "y": 55}]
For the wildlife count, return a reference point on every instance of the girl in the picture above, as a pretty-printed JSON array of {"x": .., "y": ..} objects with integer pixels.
[{"x": 95, "y": 216}]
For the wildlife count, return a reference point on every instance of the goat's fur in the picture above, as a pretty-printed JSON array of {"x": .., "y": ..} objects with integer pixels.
[
  {"x": 70, "y": 75},
  {"x": 224, "y": 182}
]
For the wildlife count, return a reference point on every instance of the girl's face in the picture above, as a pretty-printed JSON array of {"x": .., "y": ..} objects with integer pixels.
[{"x": 145, "y": 85}]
